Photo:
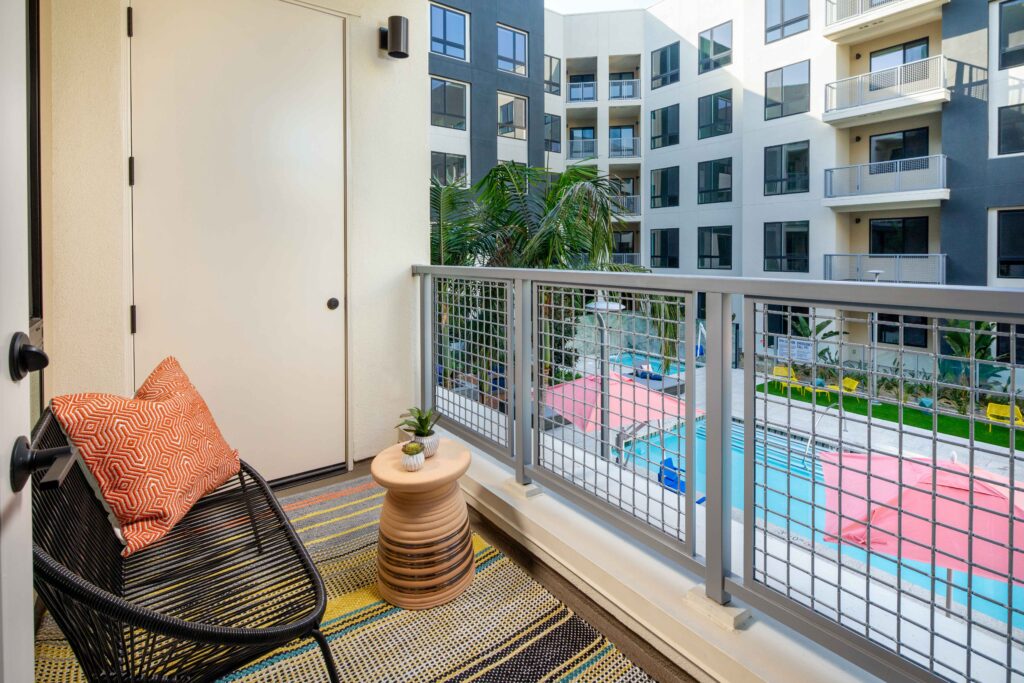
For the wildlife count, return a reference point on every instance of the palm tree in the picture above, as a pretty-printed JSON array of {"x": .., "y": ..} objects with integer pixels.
[{"x": 452, "y": 236}]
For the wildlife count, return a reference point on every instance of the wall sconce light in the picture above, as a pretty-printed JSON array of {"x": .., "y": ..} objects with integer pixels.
[
  {"x": 395, "y": 38},
  {"x": 857, "y": 56},
  {"x": 856, "y": 138},
  {"x": 856, "y": 220}
]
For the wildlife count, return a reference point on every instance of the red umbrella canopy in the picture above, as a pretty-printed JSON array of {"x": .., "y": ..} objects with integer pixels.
[{"x": 629, "y": 403}]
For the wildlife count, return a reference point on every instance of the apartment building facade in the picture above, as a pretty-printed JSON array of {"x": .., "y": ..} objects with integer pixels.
[{"x": 823, "y": 139}]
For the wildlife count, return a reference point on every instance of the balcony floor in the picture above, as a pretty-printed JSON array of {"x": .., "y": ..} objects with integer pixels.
[{"x": 505, "y": 627}]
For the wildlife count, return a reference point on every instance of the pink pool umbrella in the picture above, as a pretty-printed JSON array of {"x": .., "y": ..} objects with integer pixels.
[
  {"x": 629, "y": 403},
  {"x": 876, "y": 501}
]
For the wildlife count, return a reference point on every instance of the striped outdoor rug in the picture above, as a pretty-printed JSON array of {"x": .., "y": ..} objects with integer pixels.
[{"x": 505, "y": 627}]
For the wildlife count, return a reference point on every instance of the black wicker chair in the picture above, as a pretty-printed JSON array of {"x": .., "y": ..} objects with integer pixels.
[{"x": 230, "y": 582}]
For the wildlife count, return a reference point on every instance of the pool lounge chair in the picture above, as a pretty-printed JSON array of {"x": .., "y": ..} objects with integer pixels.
[
  {"x": 849, "y": 386},
  {"x": 1000, "y": 412},
  {"x": 785, "y": 376}
]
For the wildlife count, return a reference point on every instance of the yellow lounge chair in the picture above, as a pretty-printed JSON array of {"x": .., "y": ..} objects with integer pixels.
[
  {"x": 849, "y": 387},
  {"x": 1000, "y": 412},
  {"x": 786, "y": 377}
]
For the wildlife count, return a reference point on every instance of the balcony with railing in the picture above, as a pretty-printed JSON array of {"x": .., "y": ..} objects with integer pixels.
[
  {"x": 583, "y": 91},
  {"x": 905, "y": 183},
  {"x": 624, "y": 258},
  {"x": 624, "y": 147},
  {"x": 914, "y": 88},
  {"x": 851, "y": 477},
  {"x": 847, "y": 21},
  {"x": 624, "y": 89},
  {"x": 922, "y": 269},
  {"x": 582, "y": 149},
  {"x": 629, "y": 205}
]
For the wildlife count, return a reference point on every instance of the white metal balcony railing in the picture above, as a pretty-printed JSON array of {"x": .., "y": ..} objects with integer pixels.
[
  {"x": 924, "y": 269},
  {"x": 903, "y": 175},
  {"x": 629, "y": 204},
  {"x": 585, "y": 91},
  {"x": 582, "y": 149},
  {"x": 627, "y": 89},
  {"x": 841, "y": 10},
  {"x": 860, "y": 487},
  {"x": 626, "y": 259},
  {"x": 908, "y": 79},
  {"x": 619, "y": 148}
]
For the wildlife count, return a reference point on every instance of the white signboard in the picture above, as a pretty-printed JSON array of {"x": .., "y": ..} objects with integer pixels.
[{"x": 800, "y": 350}]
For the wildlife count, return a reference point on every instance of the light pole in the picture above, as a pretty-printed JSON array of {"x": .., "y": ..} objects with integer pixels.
[
  {"x": 599, "y": 307},
  {"x": 874, "y": 348}
]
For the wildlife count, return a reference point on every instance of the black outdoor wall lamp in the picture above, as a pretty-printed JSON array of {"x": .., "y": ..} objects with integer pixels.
[{"x": 395, "y": 38}]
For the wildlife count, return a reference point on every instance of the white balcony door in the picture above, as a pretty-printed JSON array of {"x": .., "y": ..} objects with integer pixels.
[
  {"x": 238, "y": 124},
  {"x": 16, "y": 632}
]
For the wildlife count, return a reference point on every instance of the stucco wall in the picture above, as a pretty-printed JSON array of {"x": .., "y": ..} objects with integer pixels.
[{"x": 87, "y": 284}]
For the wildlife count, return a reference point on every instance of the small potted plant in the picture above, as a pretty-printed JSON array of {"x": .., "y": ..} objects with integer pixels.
[
  {"x": 412, "y": 456},
  {"x": 420, "y": 424}
]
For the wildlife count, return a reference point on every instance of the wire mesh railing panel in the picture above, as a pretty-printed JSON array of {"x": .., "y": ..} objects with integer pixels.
[
  {"x": 904, "y": 175},
  {"x": 886, "y": 84},
  {"x": 894, "y": 268},
  {"x": 472, "y": 335},
  {"x": 612, "y": 374},
  {"x": 582, "y": 149},
  {"x": 887, "y": 492},
  {"x": 841, "y": 10}
]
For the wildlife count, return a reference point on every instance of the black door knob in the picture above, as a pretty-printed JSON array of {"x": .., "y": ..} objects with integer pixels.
[
  {"x": 25, "y": 358},
  {"x": 332, "y": 303}
]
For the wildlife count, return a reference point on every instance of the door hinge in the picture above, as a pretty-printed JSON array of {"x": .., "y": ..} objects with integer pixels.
[
  {"x": 132, "y": 319},
  {"x": 131, "y": 171},
  {"x": 131, "y": 27}
]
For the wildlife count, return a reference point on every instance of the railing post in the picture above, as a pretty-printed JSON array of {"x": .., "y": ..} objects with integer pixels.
[
  {"x": 899, "y": 268},
  {"x": 427, "y": 358},
  {"x": 522, "y": 333},
  {"x": 719, "y": 444}
]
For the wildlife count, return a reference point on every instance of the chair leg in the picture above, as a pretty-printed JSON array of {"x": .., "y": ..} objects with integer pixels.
[
  {"x": 325, "y": 650},
  {"x": 252, "y": 515}
]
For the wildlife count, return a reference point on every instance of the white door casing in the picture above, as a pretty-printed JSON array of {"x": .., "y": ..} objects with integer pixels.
[
  {"x": 238, "y": 124},
  {"x": 16, "y": 622}
]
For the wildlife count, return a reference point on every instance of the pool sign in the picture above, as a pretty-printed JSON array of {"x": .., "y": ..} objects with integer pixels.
[{"x": 794, "y": 349}]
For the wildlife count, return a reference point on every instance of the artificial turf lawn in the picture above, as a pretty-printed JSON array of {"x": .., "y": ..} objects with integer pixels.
[{"x": 952, "y": 425}]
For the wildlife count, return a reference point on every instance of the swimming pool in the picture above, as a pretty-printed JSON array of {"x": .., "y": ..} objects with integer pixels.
[
  {"x": 794, "y": 470},
  {"x": 636, "y": 360}
]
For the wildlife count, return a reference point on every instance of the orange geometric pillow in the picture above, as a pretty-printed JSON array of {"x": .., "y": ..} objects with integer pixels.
[{"x": 152, "y": 457}]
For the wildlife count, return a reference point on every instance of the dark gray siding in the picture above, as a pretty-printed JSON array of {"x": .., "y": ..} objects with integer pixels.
[
  {"x": 976, "y": 182},
  {"x": 481, "y": 72}
]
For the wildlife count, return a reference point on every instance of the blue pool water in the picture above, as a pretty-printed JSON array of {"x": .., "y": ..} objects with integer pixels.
[
  {"x": 636, "y": 360},
  {"x": 790, "y": 470}
]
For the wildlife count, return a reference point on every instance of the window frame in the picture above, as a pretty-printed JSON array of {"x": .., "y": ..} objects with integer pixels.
[
  {"x": 716, "y": 194},
  {"x": 713, "y": 62},
  {"x": 1017, "y": 51},
  {"x": 663, "y": 196},
  {"x": 465, "y": 166},
  {"x": 550, "y": 86},
  {"x": 515, "y": 63},
  {"x": 782, "y": 102},
  {"x": 919, "y": 338},
  {"x": 671, "y": 259},
  {"x": 784, "y": 22},
  {"x": 1016, "y": 259},
  {"x": 902, "y": 47},
  {"x": 465, "y": 33},
  {"x": 661, "y": 79},
  {"x": 707, "y": 261},
  {"x": 782, "y": 257},
  {"x": 782, "y": 179},
  {"x": 672, "y": 138},
  {"x": 875, "y": 224},
  {"x": 465, "y": 102},
  {"x": 999, "y": 129},
  {"x": 711, "y": 98},
  {"x": 550, "y": 142},
  {"x": 526, "y": 116}
]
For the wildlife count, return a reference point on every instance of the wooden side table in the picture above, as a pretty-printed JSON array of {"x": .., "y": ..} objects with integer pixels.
[{"x": 425, "y": 551}]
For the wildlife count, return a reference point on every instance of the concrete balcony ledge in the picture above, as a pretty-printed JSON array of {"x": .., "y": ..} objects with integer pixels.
[
  {"x": 888, "y": 110},
  {"x": 883, "y": 201},
  {"x": 915, "y": 88},
  {"x": 912, "y": 183},
  {"x": 849, "y": 21}
]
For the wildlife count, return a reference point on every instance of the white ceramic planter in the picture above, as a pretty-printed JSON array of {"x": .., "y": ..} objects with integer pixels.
[
  {"x": 430, "y": 443},
  {"x": 413, "y": 462}
]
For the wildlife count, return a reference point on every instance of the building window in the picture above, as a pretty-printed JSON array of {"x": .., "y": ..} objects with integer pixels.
[
  {"x": 1011, "y": 338},
  {"x": 665, "y": 248},
  {"x": 665, "y": 126},
  {"x": 786, "y": 247},
  {"x": 511, "y": 116},
  {"x": 787, "y": 90},
  {"x": 1011, "y": 129},
  {"x": 622, "y": 141},
  {"x": 714, "y": 115},
  {"x": 898, "y": 147},
  {"x": 787, "y": 168},
  {"x": 897, "y": 55},
  {"x": 448, "y": 168},
  {"x": 714, "y": 247},
  {"x": 714, "y": 181},
  {"x": 1010, "y": 245},
  {"x": 552, "y": 133},
  {"x": 778, "y": 319},
  {"x": 511, "y": 50},
  {"x": 715, "y": 47},
  {"x": 784, "y": 18},
  {"x": 622, "y": 85},
  {"x": 899, "y": 235},
  {"x": 447, "y": 104},
  {"x": 448, "y": 32},
  {"x": 665, "y": 187},
  {"x": 552, "y": 75},
  {"x": 665, "y": 66},
  {"x": 908, "y": 325},
  {"x": 1011, "y": 33}
]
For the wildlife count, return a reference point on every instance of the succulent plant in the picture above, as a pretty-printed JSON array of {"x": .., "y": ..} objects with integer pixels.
[{"x": 412, "y": 448}]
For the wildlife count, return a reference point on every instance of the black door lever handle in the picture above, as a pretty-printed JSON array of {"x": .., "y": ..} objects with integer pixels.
[{"x": 24, "y": 357}]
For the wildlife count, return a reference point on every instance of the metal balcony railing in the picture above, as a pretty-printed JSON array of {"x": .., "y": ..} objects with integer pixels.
[
  {"x": 582, "y": 149},
  {"x": 856, "y": 477},
  {"x": 923, "y": 269},
  {"x": 903, "y": 175},
  {"x": 627, "y": 259},
  {"x": 628, "y": 89},
  {"x": 841, "y": 10},
  {"x": 585, "y": 91},
  {"x": 619, "y": 148},
  {"x": 629, "y": 204},
  {"x": 888, "y": 84}
]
